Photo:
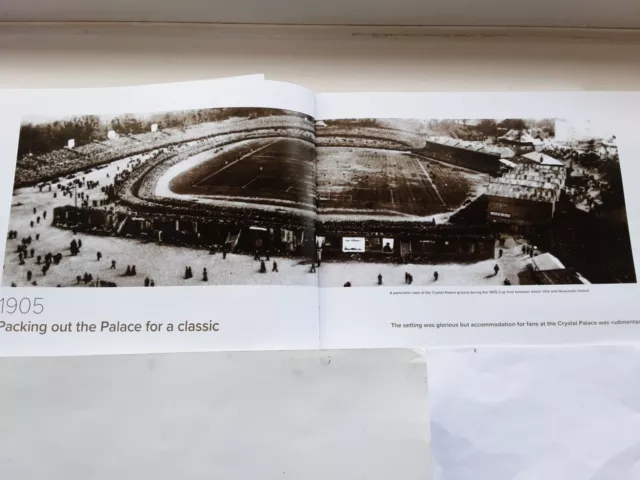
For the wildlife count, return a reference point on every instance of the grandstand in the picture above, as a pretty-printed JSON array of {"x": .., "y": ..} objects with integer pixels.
[
  {"x": 469, "y": 155},
  {"x": 404, "y": 242},
  {"x": 526, "y": 195},
  {"x": 373, "y": 137},
  {"x": 91, "y": 149},
  {"x": 48, "y": 166},
  {"x": 149, "y": 137},
  {"x": 473, "y": 145}
]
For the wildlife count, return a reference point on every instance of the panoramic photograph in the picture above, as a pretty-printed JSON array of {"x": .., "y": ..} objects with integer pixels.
[
  {"x": 470, "y": 202},
  {"x": 221, "y": 196}
]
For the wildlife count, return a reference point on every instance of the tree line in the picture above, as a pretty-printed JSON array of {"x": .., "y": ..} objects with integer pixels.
[
  {"x": 487, "y": 128},
  {"x": 39, "y": 138}
]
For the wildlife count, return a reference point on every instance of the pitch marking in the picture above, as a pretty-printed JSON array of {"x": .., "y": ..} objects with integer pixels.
[
  {"x": 238, "y": 160},
  {"x": 430, "y": 181},
  {"x": 259, "y": 176}
]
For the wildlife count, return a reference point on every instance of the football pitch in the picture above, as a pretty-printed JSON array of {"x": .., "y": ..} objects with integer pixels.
[
  {"x": 269, "y": 169},
  {"x": 361, "y": 180}
]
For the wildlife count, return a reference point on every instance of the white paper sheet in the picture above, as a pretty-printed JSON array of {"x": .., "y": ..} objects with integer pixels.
[
  {"x": 254, "y": 415},
  {"x": 565, "y": 413}
]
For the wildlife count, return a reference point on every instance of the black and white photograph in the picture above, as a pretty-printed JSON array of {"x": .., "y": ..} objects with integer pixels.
[
  {"x": 222, "y": 196},
  {"x": 470, "y": 202}
]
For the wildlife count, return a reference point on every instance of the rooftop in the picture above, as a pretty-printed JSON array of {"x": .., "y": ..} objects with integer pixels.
[
  {"x": 520, "y": 137},
  {"x": 508, "y": 163},
  {"x": 543, "y": 159},
  {"x": 474, "y": 146},
  {"x": 536, "y": 182},
  {"x": 560, "y": 276},
  {"x": 546, "y": 261}
]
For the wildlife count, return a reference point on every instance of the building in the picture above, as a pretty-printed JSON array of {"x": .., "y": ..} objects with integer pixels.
[
  {"x": 548, "y": 270},
  {"x": 538, "y": 158},
  {"x": 520, "y": 139},
  {"x": 192, "y": 231},
  {"x": 424, "y": 244},
  {"x": 526, "y": 195},
  {"x": 472, "y": 155}
]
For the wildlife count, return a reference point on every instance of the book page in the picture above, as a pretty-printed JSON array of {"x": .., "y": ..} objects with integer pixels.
[
  {"x": 158, "y": 219},
  {"x": 467, "y": 219}
]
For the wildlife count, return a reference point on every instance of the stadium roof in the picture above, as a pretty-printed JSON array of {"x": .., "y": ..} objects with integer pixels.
[
  {"x": 539, "y": 183},
  {"x": 560, "y": 276},
  {"x": 546, "y": 261},
  {"x": 475, "y": 146},
  {"x": 542, "y": 159},
  {"x": 508, "y": 163}
]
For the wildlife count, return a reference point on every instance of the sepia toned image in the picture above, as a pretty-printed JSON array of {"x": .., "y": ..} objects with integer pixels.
[
  {"x": 200, "y": 197},
  {"x": 475, "y": 202}
]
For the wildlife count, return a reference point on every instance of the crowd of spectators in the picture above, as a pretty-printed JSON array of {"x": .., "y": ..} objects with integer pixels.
[
  {"x": 31, "y": 169},
  {"x": 367, "y": 136}
]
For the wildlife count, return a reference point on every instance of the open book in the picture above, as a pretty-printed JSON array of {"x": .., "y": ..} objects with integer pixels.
[{"x": 248, "y": 214}]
